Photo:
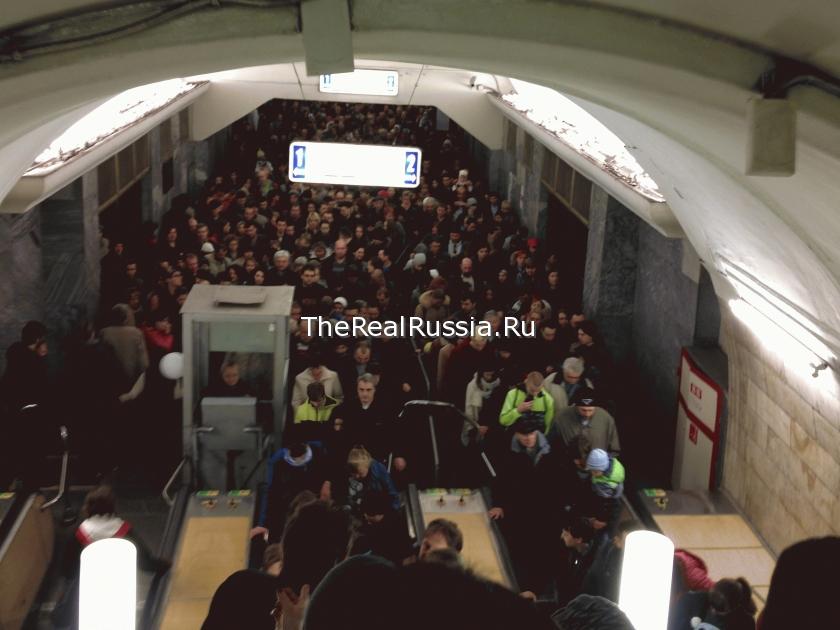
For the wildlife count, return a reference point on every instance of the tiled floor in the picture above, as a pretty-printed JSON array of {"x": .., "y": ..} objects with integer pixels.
[{"x": 726, "y": 543}]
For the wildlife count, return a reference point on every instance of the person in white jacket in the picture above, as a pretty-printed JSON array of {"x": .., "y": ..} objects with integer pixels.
[
  {"x": 479, "y": 390},
  {"x": 316, "y": 371}
]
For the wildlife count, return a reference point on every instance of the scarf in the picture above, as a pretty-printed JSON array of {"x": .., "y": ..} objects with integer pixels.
[
  {"x": 307, "y": 457},
  {"x": 100, "y": 527},
  {"x": 485, "y": 388}
]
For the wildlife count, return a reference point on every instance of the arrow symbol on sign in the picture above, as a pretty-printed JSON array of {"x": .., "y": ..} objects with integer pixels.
[{"x": 297, "y": 172}]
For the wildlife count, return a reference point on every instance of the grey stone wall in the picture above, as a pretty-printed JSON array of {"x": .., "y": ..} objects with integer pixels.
[
  {"x": 22, "y": 285},
  {"x": 665, "y": 309},
  {"x": 70, "y": 232},
  {"x": 609, "y": 288},
  {"x": 51, "y": 254}
]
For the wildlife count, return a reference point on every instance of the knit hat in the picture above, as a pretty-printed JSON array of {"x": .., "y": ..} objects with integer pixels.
[
  {"x": 598, "y": 460},
  {"x": 419, "y": 259},
  {"x": 207, "y": 248},
  {"x": 341, "y": 300},
  {"x": 472, "y": 201}
]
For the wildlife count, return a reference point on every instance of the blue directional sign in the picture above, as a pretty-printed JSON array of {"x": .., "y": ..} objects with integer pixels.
[
  {"x": 412, "y": 166},
  {"x": 298, "y": 171}
]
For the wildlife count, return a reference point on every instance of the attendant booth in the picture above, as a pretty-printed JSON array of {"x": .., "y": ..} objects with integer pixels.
[{"x": 226, "y": 436}]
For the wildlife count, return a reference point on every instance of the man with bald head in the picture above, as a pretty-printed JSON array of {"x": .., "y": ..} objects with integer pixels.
[{"x": 335, "y": 267}]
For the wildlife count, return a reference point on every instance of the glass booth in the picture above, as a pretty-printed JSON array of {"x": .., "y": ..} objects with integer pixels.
[{"x": 224, "y": 425}]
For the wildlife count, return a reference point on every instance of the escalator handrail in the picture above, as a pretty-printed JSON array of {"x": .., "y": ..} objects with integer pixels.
[
  {"x": 65, "y": 459},
  {"x": 165, "y": 492},
  {"x": 168, "y": 545},
  {"x": 440, "y": 403},
  {"x": 432, "y": 432}
]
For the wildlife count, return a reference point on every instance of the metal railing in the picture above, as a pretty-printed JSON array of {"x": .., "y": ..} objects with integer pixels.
[
  {"x": 165, "y": 492},
  {"x": 431, "y": 420},
  {"x": 65, "y": 459}
]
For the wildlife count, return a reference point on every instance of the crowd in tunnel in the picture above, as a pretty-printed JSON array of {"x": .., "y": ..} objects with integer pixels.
[{"x": 453, "y": 250}]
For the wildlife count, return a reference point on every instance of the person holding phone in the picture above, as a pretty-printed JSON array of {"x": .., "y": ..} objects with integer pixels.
[{"x": 530, "y": 398}]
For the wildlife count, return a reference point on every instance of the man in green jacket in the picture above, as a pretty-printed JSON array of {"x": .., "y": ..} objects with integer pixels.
[
  {"x": 528, "y": 397},
  {"x": 313, "y": 416}
]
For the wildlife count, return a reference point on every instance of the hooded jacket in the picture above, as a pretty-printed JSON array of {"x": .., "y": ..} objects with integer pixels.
[
  {"x": 332, "y": 385},
  {"x": 610, "y": 485},
  {"x": 307, "y": 412}
]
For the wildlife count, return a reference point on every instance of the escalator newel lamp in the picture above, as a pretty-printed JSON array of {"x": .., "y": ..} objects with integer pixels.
[
  {"x": 108, "y": 585},
  {"x": 645, "y": 590}
]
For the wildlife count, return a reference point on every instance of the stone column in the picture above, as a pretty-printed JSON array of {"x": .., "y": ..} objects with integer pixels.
[
  {"x": 22, "y": 288},
  {"x": 609, "y": 287},
  {"x": 70, "y": 259}
]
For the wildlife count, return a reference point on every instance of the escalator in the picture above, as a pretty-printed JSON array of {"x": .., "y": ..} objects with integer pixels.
[
  {"x": 27, "y": 537},
  {"x": 207, "y": 537},
  {"x": 484, "y": 549}
]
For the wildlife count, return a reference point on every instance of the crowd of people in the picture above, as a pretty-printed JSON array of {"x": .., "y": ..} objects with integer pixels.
[{"x": 451, "y": 250}]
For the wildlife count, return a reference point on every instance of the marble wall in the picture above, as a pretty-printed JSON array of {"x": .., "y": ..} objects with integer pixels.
[
  {"x": 22, "y": 284},
  {"x": 609, "y": 288},
  {"x": 50, "y": 255},
  {"x": 665, "y": 311}
]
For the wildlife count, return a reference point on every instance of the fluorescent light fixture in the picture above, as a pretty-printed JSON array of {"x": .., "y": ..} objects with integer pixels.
[
  {"x": 108, "y": 585},
  {"x": 645, "y": 589},
  {"x": 362, "y": 82},
  {"x": 778, "y": 322},
  {"x": 354, "y": 164},
  {"x": 581, "y": 131},
  {"x": 108, "y": 119}
]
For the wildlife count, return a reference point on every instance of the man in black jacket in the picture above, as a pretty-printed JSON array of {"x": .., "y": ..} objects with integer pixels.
[
  {"x": 24, "y": 383},
  {"x": 521, "y": 499},
  {"x": 368, "y": 422}
]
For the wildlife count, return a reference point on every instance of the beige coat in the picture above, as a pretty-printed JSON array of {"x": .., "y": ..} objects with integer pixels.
[
  {"x": 130, "y": 349},
  {"x": 332, "y": 386}
]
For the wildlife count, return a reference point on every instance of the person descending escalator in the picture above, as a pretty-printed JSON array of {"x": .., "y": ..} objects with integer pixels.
[
  {"x": 101, "y": 521},
  {"x": 521, "y": 502}
]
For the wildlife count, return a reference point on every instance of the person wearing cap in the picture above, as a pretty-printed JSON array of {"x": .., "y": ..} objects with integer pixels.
[
  {"x": 585, "y": 416},
  {"x": 520, "y": 497},
  {"x": 316, "y": 372},
  {"x": 528, "y": 397},
  {"x": 607, "y": 474},
  {"x": 339, "y": 304}
]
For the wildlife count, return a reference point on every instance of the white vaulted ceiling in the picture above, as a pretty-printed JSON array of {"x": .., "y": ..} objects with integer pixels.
[{"x": 671, "y": 79}]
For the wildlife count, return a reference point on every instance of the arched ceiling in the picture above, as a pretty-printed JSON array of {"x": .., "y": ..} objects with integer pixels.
[{"x": 671, "y": 79}]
